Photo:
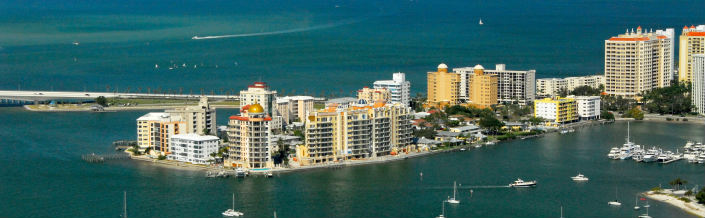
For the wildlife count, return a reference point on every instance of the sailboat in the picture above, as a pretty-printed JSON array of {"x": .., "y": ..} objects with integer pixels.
[
  {"x": 232, "y": 211},
  {"x": 481, "y": 22},
  {"x": 636, "y": 203},
  {"x": 615, "y": 202},
  {"x": 646, "y": 215},
  {"x": 455, "y": 190},
  {"x": 124, "y": 205},
  {"x": 561, "y": 211},
  {"x": 443, "y": 211}
]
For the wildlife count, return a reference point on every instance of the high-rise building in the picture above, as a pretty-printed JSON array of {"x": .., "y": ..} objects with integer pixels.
[
  {"x": 200, "y": 119},
  {"x": 556, "y": 110},
  {"x": 193, "y": 148},
  {"x": 249, "y": 139},
  {"x": 692, "y": 42},
  {"x": 292, "y": 108},
  {"x": 398, "y": 86},
  {"x": 699, "y": 83},
  {"x": 550, "y": 87},
  {"x": 359, "y": 131},
  {"x": 374, "y": 95},
  {"x": 443, "y": 87},
  {"x": 154, "y": 130},
  {"x": 588, "y": 107},
  {"x": 513, "y": 86},
  {"x": 259, "y": 93},
  {"x": 483, "y": 88},
  {"x": 638, "y": 61}
]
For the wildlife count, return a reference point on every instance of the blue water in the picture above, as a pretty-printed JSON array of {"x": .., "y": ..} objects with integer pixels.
[{"x": 363, "y": 41}]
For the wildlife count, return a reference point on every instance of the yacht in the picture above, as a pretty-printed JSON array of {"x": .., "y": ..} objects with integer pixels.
[
  {"x": 579, "y": 178},
  {"x": 628, "y": 148},
  {"x": 665, "y": 156},
  {"x": 565, "y": 131},
  {"x": 453, "y": 200},
  {"x": 614, "y": 152},
  {"x": 701, "y": 158},
  {"x": 232, "y": 211},
  {"x": 651, "y": 155},
  {"x": 239, "y": 172},
  {"x": 519, "y": 183}
]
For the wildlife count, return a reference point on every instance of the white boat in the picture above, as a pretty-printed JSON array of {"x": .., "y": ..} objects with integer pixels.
[
  {"x": 489, "y": 143},
  {"x": 124, "y": 205},
  {"x": 521, "y": 183},
  {"x": 614, "y": 152},
  {"x": 481, "y": 22},
  {"x": 270, "y": 174},
  {"x": 443, "y": 211},
  {"x": 232, "y": 211},
  {"x": 627, "y": 150},
  {"x": 636, "y": 203},
  {"x": 455, "y": 190},
  {"x": 239, "y": 172},
  {"x": 565, "y": 131},
  {"x": 462, "y": 149},
  {"x": 646, "y": 215},
  {"x": 579, "y": 178},
  {"x": 75, "y": 43},
  {"x": 615, "y": 202},
  {"x": 156, "y": 66},
  {"x": 478, "y": 145},
  {"x": 651, "y": 155}
]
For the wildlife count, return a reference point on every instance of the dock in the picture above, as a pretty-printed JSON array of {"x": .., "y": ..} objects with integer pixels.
[
  {"x": 100, "y": 158},
  {"x": 672, "y": 160}
]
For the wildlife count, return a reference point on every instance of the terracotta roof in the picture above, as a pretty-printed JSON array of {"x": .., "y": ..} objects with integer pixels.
[
  {"x": 696, "y": 34},
  {"x": 629, "y": 39},
  {"x": 685, "y": 27}
]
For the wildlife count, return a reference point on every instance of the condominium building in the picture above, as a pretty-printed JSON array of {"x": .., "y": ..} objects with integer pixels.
[
  {"x": 293, "y": 108},
  {"x": 443, "y": 87},
  {"x": 483, "y": 88},
  {"x": 249, "y": 139},
  {"x": 699, "y": 83},
  {"x": 154, "y": 130},
  {"x": 550, "y": 87},
  {"x": 259, "y": 93},
  {"x": 398, "y": 86},
  {"x": 588, "y": 107},
  {"x": 692, "y": 42},
  {"x": 193, "y": 148},
  {"x": 556, "y": 110},
  {"x": 513, "y": 86},
  {"x": 638, "y": 61},
  {"x": 200, "y": 119},
  {"x": 374, "y": 95},
  {"x": 360, "y": 131}
]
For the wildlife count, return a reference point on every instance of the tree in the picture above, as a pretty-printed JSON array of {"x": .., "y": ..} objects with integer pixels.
[
  {"x": 607, "y": 115},
  {"x": 586, "y": 91},
  {"x": 491, "y": 123},
  {"x": 535, "y": 120},
  {"x": 102, "y": 101},
  {"x": 635, "y": 113},
  {"x": 300, "y": 134},
  {"x": 701, "y": 196},
  {"x": 677, "y": 183},
  {"x": 426, "y": 133},
  {"x": 206, "y": 131},
  {"x": 281, "y": 155},
  {"x": 675, "y": 99}
]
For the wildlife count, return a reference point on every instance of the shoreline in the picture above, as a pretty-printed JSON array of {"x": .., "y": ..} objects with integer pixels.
[{"x": 692, "y": 207}]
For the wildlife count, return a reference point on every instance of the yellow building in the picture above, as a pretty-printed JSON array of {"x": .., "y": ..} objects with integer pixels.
[
  {"x": 443, "y": 87},
  {"x": 360, "y": 131},
  {"x": 483, "y": 88},
  {"x": 639, "y": 61},
  {"x": 692, "y": 41},
  {"x": 374, "y": 95},
  {"x": 154, "y": 130},
  {"x": 249, "y": 139},
  {"x": 556, "y": 110}
]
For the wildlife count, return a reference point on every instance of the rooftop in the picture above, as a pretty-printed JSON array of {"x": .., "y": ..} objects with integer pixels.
[{"x": 195, "y": 137}]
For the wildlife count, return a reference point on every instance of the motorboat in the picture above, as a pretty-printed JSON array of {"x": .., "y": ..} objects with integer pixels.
[
  {"x": 232, "y": 212},
  {"x": 519, "y": 183},
  {"x": 239, "y": 172},
  {"x": 614, "y": 152},
  {"x": 270, "y": 174},
  {"x": 651, "y": 155},
  {"x": 579, "y": 178},
  {"x": 453, "y": 200}
]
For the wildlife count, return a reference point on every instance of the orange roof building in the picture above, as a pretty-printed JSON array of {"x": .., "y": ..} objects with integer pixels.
[{"x": 691, "y": 41}]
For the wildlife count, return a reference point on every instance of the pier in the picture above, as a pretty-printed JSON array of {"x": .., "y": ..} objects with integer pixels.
[{"x": 100, "y": 158}]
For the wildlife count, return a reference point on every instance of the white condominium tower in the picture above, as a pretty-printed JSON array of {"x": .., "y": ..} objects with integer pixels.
[
  {"x": 513, "y": 86},
  {"x": 692, "y": 41},
  {"x": 638, "y": 61},
  {"x": 398, "y": 86},
  {"x": 259, "y": 93},
  {"x": 699, "y": 82}
]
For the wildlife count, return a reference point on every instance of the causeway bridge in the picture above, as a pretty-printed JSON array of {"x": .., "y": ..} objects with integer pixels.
[{"x": 28, "y": 97}]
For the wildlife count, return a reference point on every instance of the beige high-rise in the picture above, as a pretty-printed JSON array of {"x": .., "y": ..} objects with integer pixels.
[
  {"x": 483, "y": 88},
  {"x": 443, "y": 87},
  {"x": 692, "y": 41},
  {"x": 638, "y": 61},
  {"x": 374, "y": 95}
]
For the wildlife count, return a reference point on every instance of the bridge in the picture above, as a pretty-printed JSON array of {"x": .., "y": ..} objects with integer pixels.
[{"x": 21, "y": 97}]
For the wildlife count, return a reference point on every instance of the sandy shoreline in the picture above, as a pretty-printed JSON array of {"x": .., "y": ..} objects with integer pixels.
[{"x": 692, "y": 207}]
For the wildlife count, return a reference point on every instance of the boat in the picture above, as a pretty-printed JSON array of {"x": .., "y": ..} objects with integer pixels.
[
  {"x": 269, "y": 174},
  {"x": 489, "y": 143},
  {"x": 443, "y": 211},
  {"x": 462, "y": 149},
  {"x": 478, "y": 145},
  {"x": 75, "y": 43},
  {"x": 626, "y": 151},
  {"x": 651, "y": 155},
  {"x": 614, "y": 152},
  {"x": 481, "y": 22},
  {"x": 124, "y": 204},
  {"x": 455, "y": 190},
  {"x": 232, "y": 211},
  {"x": 565, "y": 131},
  {"x": 636, "y": 203},
  {"x": 646, "y": 215},
  {"x": 239, "y": 172},
  {"x": 519, "y": 183},
  {"x": 156, "y": 66},
  {"x": 615, "y": 202},
  {"x": 579, "y": 178}
]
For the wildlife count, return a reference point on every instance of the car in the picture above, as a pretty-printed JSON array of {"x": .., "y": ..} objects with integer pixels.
[{"x": 88, "y": 94}]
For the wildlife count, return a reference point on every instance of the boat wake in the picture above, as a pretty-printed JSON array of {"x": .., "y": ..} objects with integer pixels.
[{"x": 295, "y": 30}]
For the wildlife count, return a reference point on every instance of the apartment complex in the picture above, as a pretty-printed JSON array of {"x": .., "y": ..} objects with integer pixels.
[
  {"x": 483, "y": 88},
  {"x": 259, "y": 93},
  {"x": 360, "y": 131},
  {"x": 374, "y": 95},
  {"x": 638, "y": 61},
  {"x": 293, "y": 108},
  {"x": 155, "y": 129},
  {"x": 692, "y": 42},
  {"x": 556, "y": 110},
  {"x": 699, "y": 83},
  {"x": 550, "y": 87},
  {"x": 513, "y": 86},
  {"x": 200, "y": 119},
  {"x": 588, "y": 107},
  {"x": 249, "y": 139},
  {"x": 443, "y": 87},
  {"x": 399, "y": 88},
  {"x": 193, "y": 148}
]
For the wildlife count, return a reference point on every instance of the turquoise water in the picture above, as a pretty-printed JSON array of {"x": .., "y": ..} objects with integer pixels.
[
  {"x": 363, "y": 41},
  {"x": 43, "y": 176}
]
